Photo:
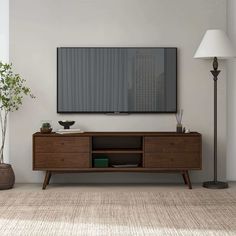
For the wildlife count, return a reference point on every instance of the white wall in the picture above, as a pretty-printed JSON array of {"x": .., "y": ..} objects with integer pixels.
[
  {"x": 38, "y": 27},
  {"x": 4, "y": 53},
  {"x": 231, "y": 92},
  {"x": 4, "y": 30}
]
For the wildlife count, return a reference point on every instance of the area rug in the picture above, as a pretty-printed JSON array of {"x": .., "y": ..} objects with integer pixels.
[{"x": 192, "y": 212}]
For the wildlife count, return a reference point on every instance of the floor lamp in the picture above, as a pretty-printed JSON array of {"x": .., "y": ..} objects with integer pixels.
[{"x": 215, "y": 45}]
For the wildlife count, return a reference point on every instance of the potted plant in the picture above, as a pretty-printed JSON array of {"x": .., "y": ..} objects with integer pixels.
[
  {"x": 12, "y": 91},
  {"x": 46, "y": 128}
]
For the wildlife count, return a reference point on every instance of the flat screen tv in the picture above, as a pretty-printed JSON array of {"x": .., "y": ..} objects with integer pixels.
[{"x": 116, "y": 80}]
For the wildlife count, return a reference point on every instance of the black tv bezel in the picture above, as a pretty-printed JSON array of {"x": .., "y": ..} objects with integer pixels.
[{"x": 123, "y": 112}]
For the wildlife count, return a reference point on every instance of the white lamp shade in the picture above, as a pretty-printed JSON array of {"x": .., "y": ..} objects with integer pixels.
[{"x": 215, "y": 43}]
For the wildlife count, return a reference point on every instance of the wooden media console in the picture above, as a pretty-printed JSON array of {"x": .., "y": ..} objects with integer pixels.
[{"x": 147, "y": 151}]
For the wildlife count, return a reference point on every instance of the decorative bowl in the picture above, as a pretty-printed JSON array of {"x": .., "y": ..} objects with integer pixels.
[{"x": 66, "y": 123}]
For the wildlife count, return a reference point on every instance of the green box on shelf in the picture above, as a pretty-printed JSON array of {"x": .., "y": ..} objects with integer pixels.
[{"x": 100, "y": 162}]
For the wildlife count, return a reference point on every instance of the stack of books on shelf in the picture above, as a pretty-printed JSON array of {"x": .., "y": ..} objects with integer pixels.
[{"x": 69, "y": 131}]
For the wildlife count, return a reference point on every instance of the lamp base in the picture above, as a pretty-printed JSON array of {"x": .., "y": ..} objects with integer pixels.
[{"x": 215, "y": 185}]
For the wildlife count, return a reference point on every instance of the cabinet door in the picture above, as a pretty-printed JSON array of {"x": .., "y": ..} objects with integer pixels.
[
  {"x": 61, "y": 160},
  {"x": 173, "y": 152},
  {"x": 61, "y": 144},
  {"x": 61, "y": 153}
]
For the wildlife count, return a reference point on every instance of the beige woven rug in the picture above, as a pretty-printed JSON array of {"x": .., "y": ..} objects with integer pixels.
[{"x": 192, "y": 212}]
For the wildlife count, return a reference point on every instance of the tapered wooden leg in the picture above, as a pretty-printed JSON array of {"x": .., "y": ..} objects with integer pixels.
[
  {"x": 49, "y": 177},
  {"x": 46, "y": 179},
  {"x": 184, "y": 177},
  {"x": 188, "y": 179}
]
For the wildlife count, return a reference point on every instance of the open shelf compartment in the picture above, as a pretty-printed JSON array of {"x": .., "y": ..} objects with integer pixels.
[
  {"x": 118, "y": 143},
  {"x": 116, "y": 159},
  {"x": 120, "y": 150}
]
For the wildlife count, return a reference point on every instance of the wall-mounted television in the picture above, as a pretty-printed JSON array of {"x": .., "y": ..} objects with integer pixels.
[{"x": 116, "y": 80}]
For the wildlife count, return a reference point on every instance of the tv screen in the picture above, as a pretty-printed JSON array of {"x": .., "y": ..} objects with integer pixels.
[{"x": 116, "y": 80}]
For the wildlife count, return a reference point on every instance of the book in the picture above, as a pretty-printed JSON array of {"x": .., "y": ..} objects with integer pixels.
[
  {"x": 69, "y": 131},
  {"x": 125, "y": 166}
]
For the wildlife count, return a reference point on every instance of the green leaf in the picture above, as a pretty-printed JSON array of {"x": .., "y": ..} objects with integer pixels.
[{"x": 12, "y": 88}]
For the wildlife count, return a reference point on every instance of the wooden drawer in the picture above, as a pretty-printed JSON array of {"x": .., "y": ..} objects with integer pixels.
[
  {"x": 173, "y": 160},
  {"x": 61, "y": 144},
  {"x": 61, "y": 160},
  {"x": 172, "y": 144}
]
